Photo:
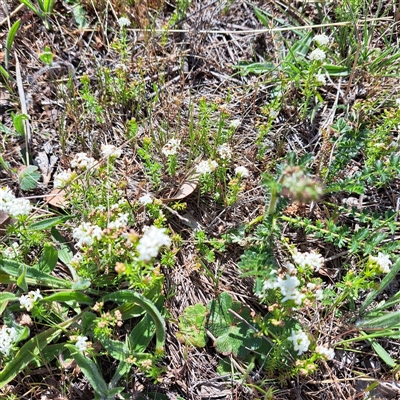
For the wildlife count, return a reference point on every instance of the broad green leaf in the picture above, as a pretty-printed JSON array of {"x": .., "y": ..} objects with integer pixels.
[
  {"x": 233, "y": 336},
  {"x": 18, "y": 122},
  {"x": 123, "y": 296},
  {"x": 90, "y": 370},
  {"x": 65, "y": 253},
  {"x": 9, "y": 272},
  {"x": 28, "y": 178},
  {"x": 6, "y": 296},
  {"x": 141, "y": 335},
  {"x": 48, "y": 259},
  {"x": 47, "y": 56},
  {"x": 48, "y": 223},
  {"x": 192, "y": 326},
  {"x": 10, "y": 40}
]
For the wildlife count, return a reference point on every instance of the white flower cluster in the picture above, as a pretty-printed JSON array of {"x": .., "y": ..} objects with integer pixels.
[
  {"x": 63, "y": 178},
  {"x": 320, "y": 78},
  {"x": 317, "y": 55},
  {"x": 28, "y": 300},
  {"x": 150, "y": 243},
  {"x": 120, "y": 222},
  {"x": 109, "y": 150},
  {"x": 311, "y": 259},
  {"x": 81, "y": 343},
  {"x": 12, "y": 205},
  {"x": 7, "y": 339},
  {"x": 85, "y": 233},
  {"x": 242, "y": 171},
  {"x": 318, "y": 293},
  {"x": 82, "y": 161},
  {"x": 206, "y": 167},
  {"x": 383, "y": 261},
  {"x": 171, "y": 147},
  {"x": 225, "y": 151},
  {"x": 326, "y": 352},
  {"x": 11, "y": 251},
  {"x": 288, "y": 287},
  {"x": 145, "y": 199},
  {"x": 123, "y": 22},
  {"x": 300, "y": 340},
  {"x": 322, "y": 39}
]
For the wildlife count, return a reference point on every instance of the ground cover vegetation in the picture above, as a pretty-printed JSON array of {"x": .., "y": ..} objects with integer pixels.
[{"x": 199, "y": 199}]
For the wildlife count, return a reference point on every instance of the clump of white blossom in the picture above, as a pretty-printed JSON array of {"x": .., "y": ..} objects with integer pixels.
[
  {"x": 123, "y": 22},
  {"x": 63, "y": 178},
  {"x": 81, "y": 343},
  {"x": 317, "y": 55},
  {"x": 8, "y": 337},
  {"x": 171, "y": 147},
  {"x": 321, "y": 39},
  {"x": 310, "y": 259},
  {"x": 83, "y": 161},
  {"x": 225, "y": 151},
  {"x": 12, "y": 205},
  {"x": 145, "y": 199},
  {"x": 206, "y": 167},
  {"x": 300, "y": 340},
  {"x": 326, "y": 352},
  {"x": 151, "y": 242},
  {"x": 320, "y": 78},
  {"x": 28, "y": 300},
  {"x": 86, "y": 233},
  {"x": 383, "y": 262},
  {"x": 11, "y": 251},
  {"x": 120, "y": 222},
  {"x": 242, "y": 171},
  {"x": 109, "y": 150}
]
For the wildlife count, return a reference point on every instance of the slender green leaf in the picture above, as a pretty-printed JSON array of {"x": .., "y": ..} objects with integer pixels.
[
  {"x": 21, "y": 281},
  {"x": 30, "y": 350},
  {"x": 382, "y": 322},
  {"x": 48, "y": 259},
  {"x": 48, "y": 223},
  {"x": 90, "y": 370},
  {"x": 10, "y": 41},
  {"x": 133, "y": 297},
  {"x": 69, "y": 296},
  {"x": 385, "y": 282},
  {"x": 32, "y": 8},
  {"x": 18, "y": 122}
]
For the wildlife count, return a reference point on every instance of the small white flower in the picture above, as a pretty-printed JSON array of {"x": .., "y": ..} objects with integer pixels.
[
  {"x": 235, "y": 123},
  {"x": 317, "y": 55},
  {"x": 300, "y": 341},
  {"x": 109, "y": 150},
  {"x": 63, "y": 178},
  {"x": 19, "y": 206},
  {"x": 120, "y": 222},
  {"x": 322, "y": 39},
  {"x": 150, "y": 243},
  {"x": 82, "y": 161},
  {"x": 311, "y": 259},
  {"x": 76, "y": 259},
  {"x": 86, "y": 233},
  {"x": 11, "y": 251},
  {"x": 397, "y": 101},
  {"x": 123, "y": 22},
  {"x": 383, "y": 261},
  {"x": 81, "y": 343},
  {"x": 6, "y": 197},
  {"x": 171, "y": 147},
  {"x": 242, "y": 171},
  {"x": 7, "y": 339},
  {"x": 28, "y": 300},
  {"x": 320, "y": 78},
  {"x": 319, "y": 294},
  {"x": 288, "y": 287},
  {"x": 225, "y": 151},
  {"x": 327, "y": 352},
  {"x": 206, "y": 167},
  {"x": 145, "y": 199}
]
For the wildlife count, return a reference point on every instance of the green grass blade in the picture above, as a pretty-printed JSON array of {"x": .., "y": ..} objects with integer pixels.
[
  {"x": 69, "y": 296},
  {"x": 10, "y": 41},
  {"x": 32, "y": 8}
]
